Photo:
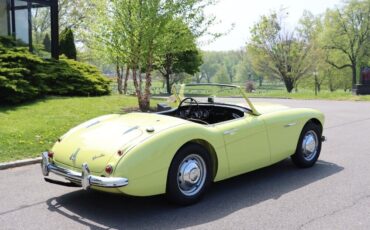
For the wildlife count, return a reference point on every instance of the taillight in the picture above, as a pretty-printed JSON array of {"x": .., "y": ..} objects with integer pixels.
[
  {"x": 50, "y": 154},
  {"x": 109, "y": 169}
]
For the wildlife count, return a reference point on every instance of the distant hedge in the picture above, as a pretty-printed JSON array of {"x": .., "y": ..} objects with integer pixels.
[{"x": 24, "y": 76}]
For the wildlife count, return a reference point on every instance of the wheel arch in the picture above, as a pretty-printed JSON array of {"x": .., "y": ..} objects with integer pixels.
[
  {"x": 316, "y": 122},
  {"x": 211, "y": 151}
]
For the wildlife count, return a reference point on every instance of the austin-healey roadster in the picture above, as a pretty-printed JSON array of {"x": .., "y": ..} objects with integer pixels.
[{"x": 179, "y": 152}]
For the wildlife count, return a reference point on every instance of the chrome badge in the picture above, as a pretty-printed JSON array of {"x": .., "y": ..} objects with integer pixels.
[
  {"x": 98, "y": 156},
  {"x": 74, "y": 155}
]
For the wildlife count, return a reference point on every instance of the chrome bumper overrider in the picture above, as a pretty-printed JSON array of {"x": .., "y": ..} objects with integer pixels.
[{"x": 83, "y": 178}]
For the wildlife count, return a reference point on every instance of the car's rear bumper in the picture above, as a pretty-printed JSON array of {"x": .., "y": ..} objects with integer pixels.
[{"x": 84, "y": 178}]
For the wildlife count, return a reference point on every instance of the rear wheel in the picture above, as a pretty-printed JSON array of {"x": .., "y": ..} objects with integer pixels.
[
  {"x": 309, "y": 146},
  {"x": 189, "y": 175}
]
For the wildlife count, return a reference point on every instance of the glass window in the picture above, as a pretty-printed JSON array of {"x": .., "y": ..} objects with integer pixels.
[
  {"x": 21, "y": 21},
  {"x": 41, "y": 30}
]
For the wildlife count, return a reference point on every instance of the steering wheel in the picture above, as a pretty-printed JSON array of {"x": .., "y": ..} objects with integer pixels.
[{"x": 191, "y": 105}]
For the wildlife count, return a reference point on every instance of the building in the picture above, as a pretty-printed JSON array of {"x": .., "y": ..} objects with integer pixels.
[{"x": 16, "y": 20}]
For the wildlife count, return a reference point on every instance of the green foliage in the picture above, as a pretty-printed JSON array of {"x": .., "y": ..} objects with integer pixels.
[
  {"x": 346, "y": 37},
  {"x": 139, "y": 34},
  {"x": 17, "y": 81},
  {"x": 187, "y": 62},
  {"x": 25, "y": 76},
  {"x": 67, "y": 45},
  {"x": 47, "y": 43},
  {"x": 285, "y": 55},
  {"x": 213, "y": 61},
  {"x": 68, "y": 77},
  {"x": 222, "y": 76}
]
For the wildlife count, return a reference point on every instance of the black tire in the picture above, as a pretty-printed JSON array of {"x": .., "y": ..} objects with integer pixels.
[
  {"x": 195, "y": 157},
  {"x": 304, "y": 157}
]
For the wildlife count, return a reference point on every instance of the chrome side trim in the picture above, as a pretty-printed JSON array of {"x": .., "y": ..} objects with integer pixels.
[
  {"x": 290, "y": 125},
  {"x": 230, "y": 132},
  {"x": 84, "y": 178}
]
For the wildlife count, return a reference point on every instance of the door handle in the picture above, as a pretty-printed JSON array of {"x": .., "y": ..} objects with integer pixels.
[
  {"x": 290, "y": 125},
  {"x": 230, "y": 132}
]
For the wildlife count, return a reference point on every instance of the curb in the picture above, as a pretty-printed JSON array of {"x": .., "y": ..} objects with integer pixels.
[{"x": 19, "y": 163}]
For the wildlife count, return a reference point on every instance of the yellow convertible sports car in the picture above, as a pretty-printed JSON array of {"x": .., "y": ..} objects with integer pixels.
[{"x": 181, "y": 151}]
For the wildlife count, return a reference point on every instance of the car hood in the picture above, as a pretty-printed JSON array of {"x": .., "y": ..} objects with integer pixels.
[{"x": 96, "y": 142}]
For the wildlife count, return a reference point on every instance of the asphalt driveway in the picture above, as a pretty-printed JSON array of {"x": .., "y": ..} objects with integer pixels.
[{"x": 335, "y": 194}]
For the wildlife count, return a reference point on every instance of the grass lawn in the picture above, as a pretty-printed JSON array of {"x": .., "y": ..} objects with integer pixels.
[{"x": 27, "y": 130}]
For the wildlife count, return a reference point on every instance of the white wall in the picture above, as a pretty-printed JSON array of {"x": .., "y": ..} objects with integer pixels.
[{"x": 3, "y": 18}]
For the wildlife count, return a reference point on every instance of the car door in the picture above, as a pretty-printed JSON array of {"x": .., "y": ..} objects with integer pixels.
[
  {"x": 283, "y": 131},
  {"x": 246, "y": 143}
]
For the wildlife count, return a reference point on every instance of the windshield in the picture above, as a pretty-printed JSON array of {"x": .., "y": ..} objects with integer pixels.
[{"x": 214, "y": 93}]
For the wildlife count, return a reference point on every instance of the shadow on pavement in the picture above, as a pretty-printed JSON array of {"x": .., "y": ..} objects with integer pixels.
[{"x": 104, "y": 211}]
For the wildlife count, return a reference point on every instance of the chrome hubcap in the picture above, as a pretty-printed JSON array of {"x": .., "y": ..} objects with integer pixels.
[
  {"x": 191, "y": 175},
  {"x": 310, "y": 144}
]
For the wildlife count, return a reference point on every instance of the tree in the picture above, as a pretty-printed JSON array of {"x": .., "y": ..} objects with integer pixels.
[
  {"x": 67, "y": 44},
  {"x": 347, "y": 34},
  {"x": 244, "y": 70},
  {"x": 277, "y": 52},
  {"x": 136, "y": 32},
  {"x": 47, "y": 43},
  {"x": 182, "y": 62},
  {"x": 180, "y": 52},
  {"x": 222, "y": 76},
  {"x": 212, "y": 61}
]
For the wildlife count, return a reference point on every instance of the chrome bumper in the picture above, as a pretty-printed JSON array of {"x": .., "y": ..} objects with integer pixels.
[{"x": 83, "y": 178}]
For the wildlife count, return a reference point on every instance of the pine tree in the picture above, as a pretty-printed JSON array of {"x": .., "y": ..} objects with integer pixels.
[
  {"x": 67, "y": 44},
  {"x": 47, "y": 43}
]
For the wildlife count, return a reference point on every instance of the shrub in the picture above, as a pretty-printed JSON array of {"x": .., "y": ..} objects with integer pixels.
[
  {"x": 249, "y": 87},
  {"x": 24, "y": 76},
  {"x": 17, "y": 82},
  {"x": 47, "y": 43},
  {"x": 67, "y": 45},
  {"x": 67, "y": 77}
]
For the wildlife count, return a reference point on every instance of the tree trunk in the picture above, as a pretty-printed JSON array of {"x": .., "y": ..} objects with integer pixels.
[
  {"x": 207, "y": 78},
  {"x": 288, "y": 84},
  {"x": 354, "y": 75},
  {"x": 260, "y": 81},
  {"x": 119, "y": 78},
  {"x": 144, "y": 104},
  {"x": 126, "y": 79},
  {"x": 136, "y": 84},
  {"x": 168, "y": 85}
]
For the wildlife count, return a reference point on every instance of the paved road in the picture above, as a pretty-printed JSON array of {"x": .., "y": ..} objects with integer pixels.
[{"x": 335, "y": 194}]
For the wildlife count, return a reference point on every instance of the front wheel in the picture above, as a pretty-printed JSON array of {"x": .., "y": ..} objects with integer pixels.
[
  {"x": 189, "y": 175},
  {"x": 309, "y": 146}
]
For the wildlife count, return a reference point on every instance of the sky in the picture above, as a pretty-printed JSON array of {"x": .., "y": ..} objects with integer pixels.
[{"x": 244, "y": 14}]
